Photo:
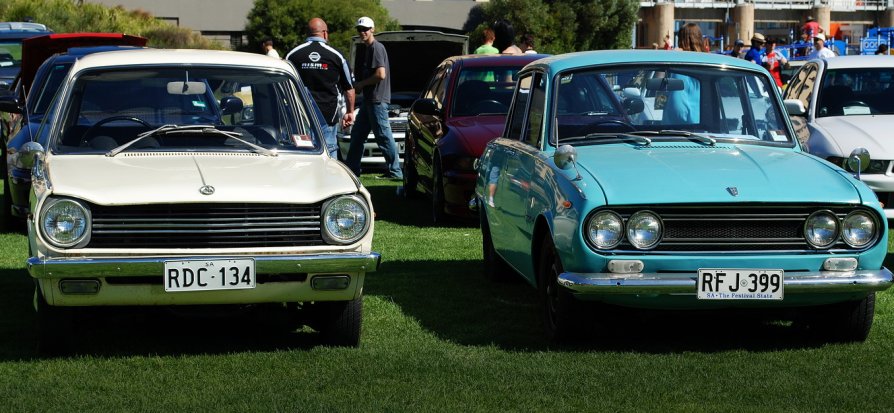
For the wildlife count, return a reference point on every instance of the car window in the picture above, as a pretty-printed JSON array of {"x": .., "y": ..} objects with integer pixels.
[
  {"x": 856, "y": 91},
  {"x": 801, "y": 86},
  {"x": 440, "y": 91},
  {"x": 536, "y": 111},
  {"x": 652, "y": 99},
  {"x": 519, "y": 107},
  {"x": 42, "y": 93},
  {"x": 107, "y": 108},
  {"x": 435, "y": 82},
  {"x": 482, "y": 90}
]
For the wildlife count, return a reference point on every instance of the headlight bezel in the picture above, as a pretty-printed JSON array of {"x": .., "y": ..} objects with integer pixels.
[
  {"x": 589, "y": 223},
  {"x": 836, "y": 232},
  {"x": 334, "y": 239},
  {"x": 79, "y": 241},
  {"x": 875, "y": 230},
  {"x": 638, "y": 215}
]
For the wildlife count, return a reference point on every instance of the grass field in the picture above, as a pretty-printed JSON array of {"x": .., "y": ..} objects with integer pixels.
[{"x": 437, "y": 337}]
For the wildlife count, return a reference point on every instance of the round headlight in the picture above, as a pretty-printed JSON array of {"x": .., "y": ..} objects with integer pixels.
[
  {"x": 65, "y": 222},
  {"x": 605, "y": 229},
  {"x": 821, "y": 229},
  {"x": 644, "y": 230},
  {"x": 345, "y": 220},
  {"x": 858, "y": 229}
]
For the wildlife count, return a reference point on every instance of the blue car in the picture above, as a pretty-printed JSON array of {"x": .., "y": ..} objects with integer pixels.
[{"x": 673, "y": 180}]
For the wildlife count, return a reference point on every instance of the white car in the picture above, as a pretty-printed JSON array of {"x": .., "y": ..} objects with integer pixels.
[
  {"x": 844, "y": 103},
  {"x": 157, "y": 189}
]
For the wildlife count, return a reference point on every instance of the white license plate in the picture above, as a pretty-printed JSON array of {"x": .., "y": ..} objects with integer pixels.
[
  {"x": 206, "y": 275},
  {"x": 739, "y": 284}
]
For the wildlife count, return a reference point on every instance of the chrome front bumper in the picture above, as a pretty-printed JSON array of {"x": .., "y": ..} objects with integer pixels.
[
  {"x": 796, "y": 282},
  {"x": 277, "y": 264}
]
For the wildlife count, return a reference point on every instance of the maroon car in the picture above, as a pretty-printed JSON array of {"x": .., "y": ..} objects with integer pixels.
[{"x": 463, "y": 108}]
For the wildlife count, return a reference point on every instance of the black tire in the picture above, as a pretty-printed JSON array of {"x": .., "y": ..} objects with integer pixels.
[
  {"x": 495, "y": 268},
  {"x": 411, "y": 175},
  {"x": 563, "y": 315},
  {"x": 847, "y": 322},
  {"x": 339, "y": 322},
  {"x": 55, "y": 327},
  {"x": 437, "y": 193}
]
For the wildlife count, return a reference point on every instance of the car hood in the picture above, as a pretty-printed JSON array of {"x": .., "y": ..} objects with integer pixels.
[
  {"x": 687, "y": 173},
  {"x": 37, "y": 49},
  {"x": 849, "y": 132},
  {"x": 474, "y": 132},
  {"x": 141, "y": 178}
]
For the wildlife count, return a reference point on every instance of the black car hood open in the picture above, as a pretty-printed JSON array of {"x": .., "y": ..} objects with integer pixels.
[{"x": 413, "y": 55}]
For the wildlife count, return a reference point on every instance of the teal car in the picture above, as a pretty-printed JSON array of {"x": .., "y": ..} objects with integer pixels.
[{"x": 673, "y": 180}]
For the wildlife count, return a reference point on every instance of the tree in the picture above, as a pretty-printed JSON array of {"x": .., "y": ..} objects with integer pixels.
[
  {"x": 64, "y": 16},
  {"x": 284, "y": 21},
  {"x": 562, "y": 26}
]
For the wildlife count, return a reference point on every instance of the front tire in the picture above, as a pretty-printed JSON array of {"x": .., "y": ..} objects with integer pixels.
[
  {"x": 563, "y": 315},
  {"x": 848, "y": 322},
  {"x": 437, "y": 193},
  {"x": 411, "y": 175},
  {"x": 339, "y": 322},
  {"x": 55, "y": 328}
]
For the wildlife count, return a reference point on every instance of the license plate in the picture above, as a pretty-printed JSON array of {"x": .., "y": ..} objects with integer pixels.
[
  {"x": 207, "y": 275},
  {"x": 739, "y": 284}
]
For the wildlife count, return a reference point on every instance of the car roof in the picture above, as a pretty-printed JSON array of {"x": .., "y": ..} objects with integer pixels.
[
  {"x": 178, "y": 57},
  {"x": 22, "y": 30},
  {"x": 859, "y": 61},
  {"x": 490, "y": 60},
  {"x": 602, "y": 57}
]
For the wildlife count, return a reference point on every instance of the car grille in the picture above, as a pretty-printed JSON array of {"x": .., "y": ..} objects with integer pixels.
[
  {"x": 399, "y": 126},
  {"x": 734, "y": 228},
  {"x": 238, "y": 225}
]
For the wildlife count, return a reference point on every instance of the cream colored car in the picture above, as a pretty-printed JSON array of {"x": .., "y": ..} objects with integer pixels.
[{"x": 155, "y": 190}]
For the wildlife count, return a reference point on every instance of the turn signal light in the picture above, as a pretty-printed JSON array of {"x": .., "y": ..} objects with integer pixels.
[{"x": 840, "y": 264}]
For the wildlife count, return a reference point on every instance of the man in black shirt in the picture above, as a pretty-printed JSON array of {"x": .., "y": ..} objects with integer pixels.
[{"x": 326, "y": 74}]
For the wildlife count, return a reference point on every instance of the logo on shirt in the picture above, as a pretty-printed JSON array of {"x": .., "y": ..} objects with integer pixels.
[{"x": 314, "y": 57}]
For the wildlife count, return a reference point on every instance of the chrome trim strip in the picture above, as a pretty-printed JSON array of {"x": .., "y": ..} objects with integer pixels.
[
  {"x": 795, "y": 282},
  {"x": 281, "y": 264}
]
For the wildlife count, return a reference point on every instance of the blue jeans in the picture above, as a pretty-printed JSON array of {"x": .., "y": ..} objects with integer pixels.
[
  {"x": 330, "y": 139},
  {"x": 373, "y": 117}
]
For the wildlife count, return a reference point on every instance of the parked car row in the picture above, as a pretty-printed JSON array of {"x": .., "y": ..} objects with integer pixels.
[{"x": 641, "y": 179}]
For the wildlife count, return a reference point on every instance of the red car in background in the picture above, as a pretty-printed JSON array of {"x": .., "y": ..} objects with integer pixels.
[{"x": 463, "y": 107}]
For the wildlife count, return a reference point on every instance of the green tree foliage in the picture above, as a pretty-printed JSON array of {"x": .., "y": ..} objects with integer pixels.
[
  {"x": 67, "y": 16},
  {"x": 561, "y": 26},
  {"x": 285, "y": 21}
]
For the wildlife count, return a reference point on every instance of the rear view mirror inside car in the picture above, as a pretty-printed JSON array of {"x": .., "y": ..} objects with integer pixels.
[
  {"x": 186, "y": 88},
  {"x": 664, "y": 84}
]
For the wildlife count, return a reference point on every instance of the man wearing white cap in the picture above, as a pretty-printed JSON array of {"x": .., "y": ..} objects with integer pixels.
[
  {"x": 372, "y": 68},
  {"x": 820, "y": 51}
]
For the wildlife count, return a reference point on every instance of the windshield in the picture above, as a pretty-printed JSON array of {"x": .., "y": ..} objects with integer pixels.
[
  {"x": 667, "y": 102},
  {"x": 482, "y": 90},
  {"x": 857, "y": 91},
  {"x": 108, "y": 108},
  {"x": 10, "y": 58}
]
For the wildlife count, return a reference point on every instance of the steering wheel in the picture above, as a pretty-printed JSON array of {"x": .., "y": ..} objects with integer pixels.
[
  {"x": 488, "y": 106},
  {"x": 111, "y": 119},
  {"x": 593, "y": 126}
]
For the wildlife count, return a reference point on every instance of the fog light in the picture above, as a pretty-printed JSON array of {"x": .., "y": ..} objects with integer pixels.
[
  {"x": 625, "y": 266},
  {"x": 330, "y": 282},
  {"x": 79, "y": 286},
  {"x": 840, "y": 264}
]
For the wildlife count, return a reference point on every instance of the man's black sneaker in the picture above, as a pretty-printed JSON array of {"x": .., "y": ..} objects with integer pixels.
[{"x": 390, "y": 176}]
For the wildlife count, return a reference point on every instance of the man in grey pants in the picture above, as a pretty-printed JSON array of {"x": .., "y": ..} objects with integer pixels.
[{"x": 374, "y": 72}]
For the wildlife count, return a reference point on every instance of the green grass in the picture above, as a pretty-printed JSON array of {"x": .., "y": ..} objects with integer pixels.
[{"x": 437, "y": 337}]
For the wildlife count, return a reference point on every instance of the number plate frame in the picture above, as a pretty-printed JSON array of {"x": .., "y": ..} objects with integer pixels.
[
  {"x": 743, "y": 279},
  {"x": 210, "y": 275}
]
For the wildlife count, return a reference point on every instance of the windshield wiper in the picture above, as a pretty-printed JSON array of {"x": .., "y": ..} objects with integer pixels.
[
  {"x": 667, "y": 132},
  {"x": 192, "y": 129},
  {"x": 640, "y": 140}
]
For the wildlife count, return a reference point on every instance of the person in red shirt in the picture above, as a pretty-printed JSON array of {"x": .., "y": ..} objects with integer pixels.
[
  {"x": 811, "y": 28},
  {"x": 774, "y": 61}
]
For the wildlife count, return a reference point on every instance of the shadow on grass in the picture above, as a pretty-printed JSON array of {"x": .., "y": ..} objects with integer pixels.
[
  {"x": 453, "y": 301},
  {"x": 390, "y": 206}
]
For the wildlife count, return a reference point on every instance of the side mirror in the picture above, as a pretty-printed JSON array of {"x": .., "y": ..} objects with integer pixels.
[
  {"x": 795, "y": 107},
  {"x": 565, "y": 156},
  {"x": 9, "y": 103},
  {"x": 426, "y": 107},
  {"x": 858, "y": 161},
  {"x": 28, "y": 153},
  {"x": 230, "y": 105},
  {"x": 633, "y": 105},
  {"x": 248, "y": 113}
]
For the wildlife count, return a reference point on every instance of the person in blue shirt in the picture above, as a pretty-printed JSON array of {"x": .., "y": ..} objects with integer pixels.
[{"x": 756, "y": 53}]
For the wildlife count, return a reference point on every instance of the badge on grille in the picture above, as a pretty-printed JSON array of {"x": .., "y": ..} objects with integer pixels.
[
  {"x": 206, "y": 190},
  {"x": 731, "y": 189}
]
